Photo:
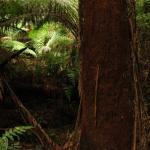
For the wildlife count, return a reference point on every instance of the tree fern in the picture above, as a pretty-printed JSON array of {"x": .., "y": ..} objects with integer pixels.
[{"x": 37, "y": 12}]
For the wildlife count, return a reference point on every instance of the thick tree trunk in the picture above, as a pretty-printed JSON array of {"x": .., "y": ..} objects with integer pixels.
[{"x": 106, "y": 76}]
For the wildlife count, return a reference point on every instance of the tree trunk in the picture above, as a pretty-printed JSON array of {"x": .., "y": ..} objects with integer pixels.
[{"x": 106, "y": 76}]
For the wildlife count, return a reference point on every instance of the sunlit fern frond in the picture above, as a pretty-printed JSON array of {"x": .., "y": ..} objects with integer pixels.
[
  {"x": 37, "y": 12},
  {"x": 12, "y": 45},
  {"x": 51, "y": 37}
]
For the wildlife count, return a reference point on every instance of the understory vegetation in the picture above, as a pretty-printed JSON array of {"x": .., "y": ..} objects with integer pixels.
[{"x": 143, "y": 27}]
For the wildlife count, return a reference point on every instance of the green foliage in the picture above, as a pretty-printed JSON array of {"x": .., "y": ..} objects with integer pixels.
[
  {"x": 68, "y": 92},
  {"x": 52, "y": 42},
  {"x": 13, "y": 45},
  {"x": 143, "y": 25},
  {"x": 44, "y": 37},
  {"x": 11, "y": 135},
  {"x": 37, "y": 12},
  {"x": 143, "y": 22},
  {"x": 38, "y": 71},
  {"x": 146, "y": 6},
  {"x": 30, "y": 52},
  {"x": 39, "y": 36},
  {"x": 50, "y": 37},
  {"x": 139, "y": 6},
  {"x": 56, "y": 62},
  {"x": 12, "y": 32},
  {"x": 73, "y": 75},
  {"x": 143, "y": 19},
  {"x": 59, "y": 42}
]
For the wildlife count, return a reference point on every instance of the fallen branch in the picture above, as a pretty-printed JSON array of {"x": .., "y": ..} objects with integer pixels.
[
  {"x": 43, "y": 137},
  {"x": 14, "y": 55}
]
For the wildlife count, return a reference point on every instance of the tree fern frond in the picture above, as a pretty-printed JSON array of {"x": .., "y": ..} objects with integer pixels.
[{"x": 38, "y": 12}]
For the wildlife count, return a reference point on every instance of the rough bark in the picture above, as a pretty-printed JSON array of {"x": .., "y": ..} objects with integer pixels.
[{"x": 106, "y": 76}]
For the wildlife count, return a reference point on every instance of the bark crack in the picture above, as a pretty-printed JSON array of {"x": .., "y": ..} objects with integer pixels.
[{"x": 95, "y": 96}]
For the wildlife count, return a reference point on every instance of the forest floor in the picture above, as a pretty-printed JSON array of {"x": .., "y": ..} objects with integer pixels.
[{"x": 44, "y": 98}]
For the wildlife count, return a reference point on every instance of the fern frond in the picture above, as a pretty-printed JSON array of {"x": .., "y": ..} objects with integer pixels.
[
  {"x": 51, "y": 37},
  {"x": 15, "y": 132},
  {"x": 12, "y": 45},
  {"x": 11, "y": 135},
  {"x": 38, "y": 12}
]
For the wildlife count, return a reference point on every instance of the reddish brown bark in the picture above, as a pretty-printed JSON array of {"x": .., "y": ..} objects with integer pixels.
[{"x": 106, "y": 76}]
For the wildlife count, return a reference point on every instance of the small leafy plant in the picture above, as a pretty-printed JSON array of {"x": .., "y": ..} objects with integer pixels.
[{"x": 7, "y": 140}]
